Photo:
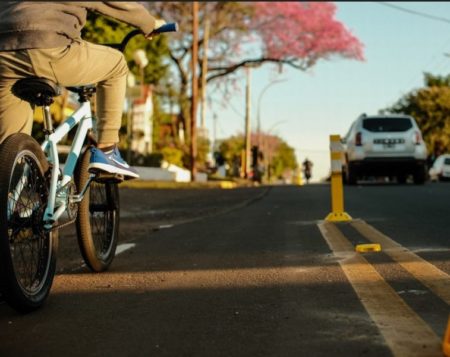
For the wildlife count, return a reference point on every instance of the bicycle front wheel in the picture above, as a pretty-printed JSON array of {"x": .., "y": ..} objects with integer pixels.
[
  {"x": 27, "y": 250},
  {"x": 98, "y": 218}
]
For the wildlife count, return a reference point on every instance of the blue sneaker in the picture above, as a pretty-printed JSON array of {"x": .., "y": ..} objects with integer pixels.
[{"x": 111, "y": 162}]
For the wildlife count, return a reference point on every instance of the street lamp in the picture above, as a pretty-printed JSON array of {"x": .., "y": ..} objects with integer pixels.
[
  {"x": 258, "y": 117},
  {"x": 141, "y": 60},
  {"x": 247, "y": 139}
]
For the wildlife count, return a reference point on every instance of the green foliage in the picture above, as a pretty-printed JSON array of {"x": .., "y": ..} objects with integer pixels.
[
  {"x": 283, "y": 159},
  {"x": 436, "y": 81},
  {"x": 154, "y": 159},
  {"x": 203, "y": 145},
  {"x": 430, "y": 106},
  {"x": 103, "y": 30},
  {"x": 231, "y": 148},
  {"x": 277, "y": 152},
  {"x": 173, "y": 155}
]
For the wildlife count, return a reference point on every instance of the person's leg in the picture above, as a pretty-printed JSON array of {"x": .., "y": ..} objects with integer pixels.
[
  {"x": 84, "y": 63},
  {"x": 16, "y": 115}
]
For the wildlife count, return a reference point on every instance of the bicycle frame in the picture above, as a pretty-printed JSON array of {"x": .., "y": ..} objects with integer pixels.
[{"x": 58, "y": 191}]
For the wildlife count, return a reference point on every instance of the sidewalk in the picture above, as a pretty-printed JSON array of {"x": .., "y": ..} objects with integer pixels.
[{"x": 223, "y": 184}]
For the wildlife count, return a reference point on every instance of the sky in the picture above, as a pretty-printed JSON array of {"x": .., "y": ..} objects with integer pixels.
[{"x": 306, "y": 107}]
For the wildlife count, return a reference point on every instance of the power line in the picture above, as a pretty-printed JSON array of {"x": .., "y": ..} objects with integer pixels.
[{"x": 418, "y": 13}]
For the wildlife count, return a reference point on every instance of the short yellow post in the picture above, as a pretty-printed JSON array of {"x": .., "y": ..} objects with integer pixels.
[
  {"x": 446, "y": 342},
  {"x": 337, "y": 190},
  {"x": 297, "y": 179}
]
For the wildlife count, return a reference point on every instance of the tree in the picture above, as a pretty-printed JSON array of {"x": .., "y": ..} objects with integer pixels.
[
  {"x": 297, "y": 34},
  {"x": 102, "y": 30},
  {"x": 284, "y": 159},
  {"x": 278, "y": 155},
  {"x": 430, "y": 106},
  {"x": 231, "y": 148}
]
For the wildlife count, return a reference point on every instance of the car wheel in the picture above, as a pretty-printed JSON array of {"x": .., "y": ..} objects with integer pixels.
[
  {"x": 401, "y": 179},
  {"x": 350, "y": 175},
  {"x": 420, "y": 175}
]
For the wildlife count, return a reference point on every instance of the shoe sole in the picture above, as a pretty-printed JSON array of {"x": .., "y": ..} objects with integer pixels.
[{"x": 117, "y": 170}]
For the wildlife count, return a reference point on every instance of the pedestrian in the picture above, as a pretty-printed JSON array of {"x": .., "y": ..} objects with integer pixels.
[{"x": 43, "y": 39}]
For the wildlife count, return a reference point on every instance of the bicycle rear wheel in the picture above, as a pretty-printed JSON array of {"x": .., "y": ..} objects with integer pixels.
[
  {"x": 27, "y": 250},
  {"x": 98, "y": 218}
]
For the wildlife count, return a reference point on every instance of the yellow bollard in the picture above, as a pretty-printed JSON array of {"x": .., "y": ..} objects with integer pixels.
[
  {"x": 297, "y": 178},
  {"x": 337, "y": 190},
  {"x": 446, "y": 342}
]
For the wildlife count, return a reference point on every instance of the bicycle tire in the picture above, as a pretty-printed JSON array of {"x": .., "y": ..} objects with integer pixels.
[
  {"x": 27, "y": 250},
  {"x": 98, "y": 218}
]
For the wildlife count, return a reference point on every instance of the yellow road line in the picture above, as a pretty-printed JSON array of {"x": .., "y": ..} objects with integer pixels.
[
  {"x": 405, "y": 332},
  {"x": 432, "y": 277}
]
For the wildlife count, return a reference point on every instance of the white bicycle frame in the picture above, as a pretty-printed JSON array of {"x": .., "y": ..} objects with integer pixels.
[{"x": 58, "y": 191}]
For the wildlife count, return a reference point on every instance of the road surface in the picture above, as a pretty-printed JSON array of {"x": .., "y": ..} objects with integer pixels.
[{"x": 254, "y": 272}]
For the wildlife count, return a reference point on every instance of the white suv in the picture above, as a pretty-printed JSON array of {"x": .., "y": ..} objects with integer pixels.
[{"x": 384, "y": 145}]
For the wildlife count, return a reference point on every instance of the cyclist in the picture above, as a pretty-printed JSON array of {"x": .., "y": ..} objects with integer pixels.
[
  {"x": 307, "y": 169},
  {"x": 43, "y": 39}
]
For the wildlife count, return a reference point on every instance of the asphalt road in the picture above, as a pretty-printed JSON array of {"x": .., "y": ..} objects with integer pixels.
[{"x": 254, "y": 272}]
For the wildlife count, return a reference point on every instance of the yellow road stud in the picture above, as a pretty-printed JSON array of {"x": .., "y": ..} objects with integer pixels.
[
  {"x": 446, "y": 342},
  {"x": 227, "y": 184},
  {"x": 365, "y": 248}
]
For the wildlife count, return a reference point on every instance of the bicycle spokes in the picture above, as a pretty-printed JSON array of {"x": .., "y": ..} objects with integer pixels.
[
  {"x": 102, "y": 213},
  {"x": 29, "y": 243}
]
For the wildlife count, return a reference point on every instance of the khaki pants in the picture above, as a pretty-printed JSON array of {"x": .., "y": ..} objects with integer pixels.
[{"x": 80, "y": 63}]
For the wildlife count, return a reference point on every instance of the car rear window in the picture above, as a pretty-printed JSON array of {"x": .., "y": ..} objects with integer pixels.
[
  {"x": 447, "y": 161},
  {"x": 381, "y": 125}
]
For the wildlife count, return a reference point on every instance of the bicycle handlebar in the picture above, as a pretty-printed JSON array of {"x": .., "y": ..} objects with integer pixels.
[{"x": 169, "y": 27}]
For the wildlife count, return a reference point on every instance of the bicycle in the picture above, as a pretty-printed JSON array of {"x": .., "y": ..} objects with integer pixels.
[{"x": 35, "y": 193}]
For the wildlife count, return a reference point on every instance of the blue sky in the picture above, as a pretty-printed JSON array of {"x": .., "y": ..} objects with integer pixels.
[{"x": 309, "y": 106}]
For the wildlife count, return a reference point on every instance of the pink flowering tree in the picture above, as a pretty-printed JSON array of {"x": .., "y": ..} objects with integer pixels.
[{"x": 296, "y": 34}]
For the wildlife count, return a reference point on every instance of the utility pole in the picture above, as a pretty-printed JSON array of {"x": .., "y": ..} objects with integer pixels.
[
  {"x": 214, "y": 132},
  {"x": 193, "y": 146},
  {"x": 204, "y": 72},
  {"x": 247, "y": 124}
]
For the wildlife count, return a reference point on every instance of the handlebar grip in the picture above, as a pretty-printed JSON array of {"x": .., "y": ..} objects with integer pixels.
[{"x": 169, "y": 27}]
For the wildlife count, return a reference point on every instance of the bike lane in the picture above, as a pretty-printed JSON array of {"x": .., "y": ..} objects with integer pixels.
[{"x": 257, "y": 281}]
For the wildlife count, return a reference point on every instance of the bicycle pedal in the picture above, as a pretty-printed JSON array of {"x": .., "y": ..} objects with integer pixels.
[{"x": 109, "y": 178}]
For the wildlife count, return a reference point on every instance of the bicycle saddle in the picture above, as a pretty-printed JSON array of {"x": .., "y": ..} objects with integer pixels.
[
  {"x": 37, "y": 91},
  {"x": 84, "y": 92}
]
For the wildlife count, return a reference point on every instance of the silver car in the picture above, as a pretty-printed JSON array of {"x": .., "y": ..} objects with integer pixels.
[
  {"x": 440, "y": 170},
  {"x": 384, "y": 145}
]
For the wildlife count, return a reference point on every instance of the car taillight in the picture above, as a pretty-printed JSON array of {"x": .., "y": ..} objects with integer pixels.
[
  {"x": 417, "y": 138},
  {"x": 358, "y": 139}
]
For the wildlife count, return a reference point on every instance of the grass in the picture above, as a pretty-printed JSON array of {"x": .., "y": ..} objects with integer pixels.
[{"x": 145, "y": 184}]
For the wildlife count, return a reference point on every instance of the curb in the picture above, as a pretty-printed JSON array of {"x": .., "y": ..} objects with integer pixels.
[{"x": 147, "y": 184}]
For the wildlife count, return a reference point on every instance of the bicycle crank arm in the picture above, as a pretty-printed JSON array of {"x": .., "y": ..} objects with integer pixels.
[{"x": 78, "y": 198}]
